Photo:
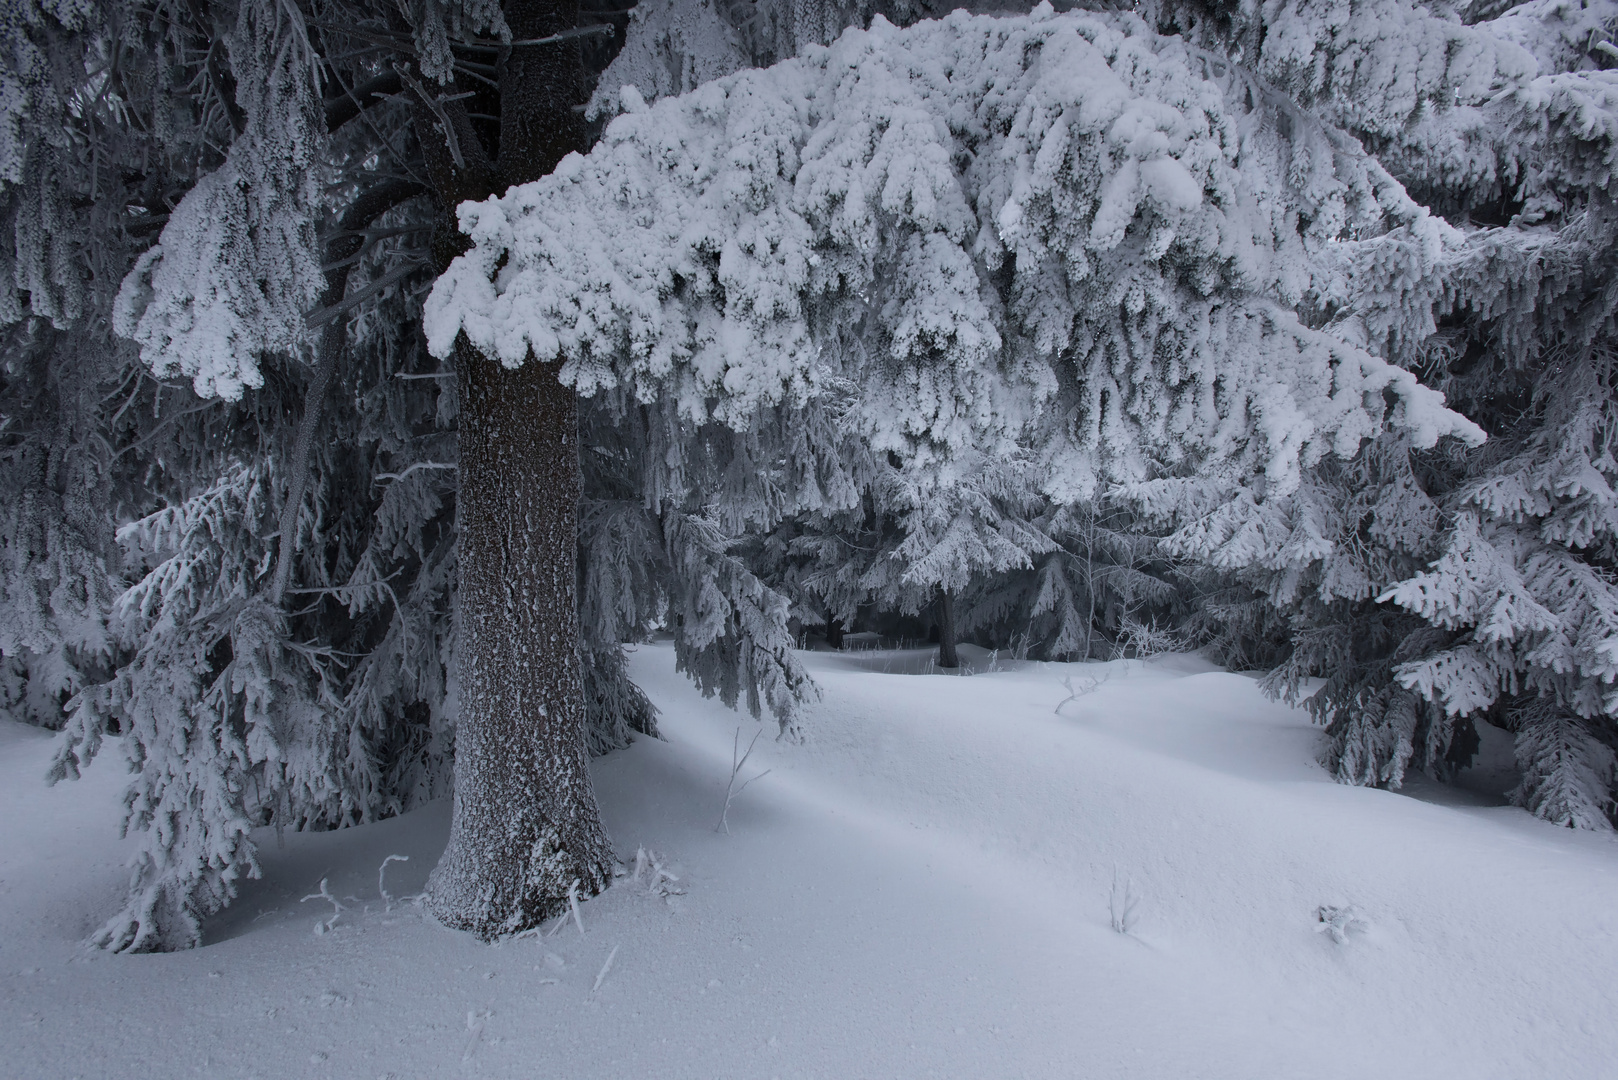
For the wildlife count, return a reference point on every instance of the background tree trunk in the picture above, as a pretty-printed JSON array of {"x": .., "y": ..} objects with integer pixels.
[
  {"x": 525, "y": 824},
  {"x": 947, "y": 657},
  {"x": 834, "y": 630}
]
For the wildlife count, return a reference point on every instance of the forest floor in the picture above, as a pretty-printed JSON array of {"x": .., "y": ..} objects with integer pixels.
[{"x": 927, "y": 886}]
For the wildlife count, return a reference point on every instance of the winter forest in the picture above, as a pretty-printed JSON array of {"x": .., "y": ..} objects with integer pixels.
[{"x": 1156, "y": 457}]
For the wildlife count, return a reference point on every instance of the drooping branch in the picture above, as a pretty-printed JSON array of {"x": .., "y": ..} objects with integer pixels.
[{"x": 369, "y": 205}]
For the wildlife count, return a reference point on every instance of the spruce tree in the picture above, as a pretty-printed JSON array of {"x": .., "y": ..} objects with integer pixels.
[
  {"x": 1434, "y": 589},
  {"x": 815, "y": 234}
]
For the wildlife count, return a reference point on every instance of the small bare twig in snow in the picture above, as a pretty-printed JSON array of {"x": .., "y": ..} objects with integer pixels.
[
  {"x": 381, "y": 887},
  {"x": 1121, "y": 904},
  {"x": 736, "y": 765},
  {"x": 1087, "y": 685},
  {"x": 337, "y": 909}
]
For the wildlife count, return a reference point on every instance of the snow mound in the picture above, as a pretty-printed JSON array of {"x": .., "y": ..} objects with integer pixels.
[{"x": 928, "y": 886}]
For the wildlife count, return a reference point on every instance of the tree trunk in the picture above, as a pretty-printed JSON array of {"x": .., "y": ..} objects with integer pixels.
[
  {"x": 525, "y": 827},
  {"x": 834, "y": 630},
  {"x": 947, "y": 657}
]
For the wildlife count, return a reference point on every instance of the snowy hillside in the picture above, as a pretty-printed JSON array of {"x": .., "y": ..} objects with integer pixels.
[{"x": 920, "y": 890}]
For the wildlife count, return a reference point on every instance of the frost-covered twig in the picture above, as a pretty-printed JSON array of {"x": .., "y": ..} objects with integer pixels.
[
  {"x": 1088, "y": 685},
  {"x": 601, "y": 976},
  {"x": 648, "y": 862},
  {"x": 736, "y": 764},
  {"x": 420, "y": 465},
  {"x": 572, "y": 909},
  {"x": 1121, "y": 904},
  {"x": 573, "y": 905},
  {"x": 337, "y": 908},
  {"x": 660, "y": 875},
  {"x": 381, "y": 887},
  {"x": 1147, "y": 639},
  {"x": 640, "y": 865}
]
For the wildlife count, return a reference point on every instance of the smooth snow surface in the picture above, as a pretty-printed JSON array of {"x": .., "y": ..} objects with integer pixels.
[{"x": 920, "y": 890}]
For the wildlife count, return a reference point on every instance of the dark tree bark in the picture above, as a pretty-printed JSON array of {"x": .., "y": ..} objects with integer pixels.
[
  {"x": 947, "y": 657},
  {"x": 525, "y": 826},
  {"x": 525, "y": 829},
  {"x": 834, "y": 630}
]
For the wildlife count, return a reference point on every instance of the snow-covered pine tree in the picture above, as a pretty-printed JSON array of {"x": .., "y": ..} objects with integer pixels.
[
  {"x": 1435, "y": 588},
  {"x": 728, "y": 654},
  {"x": 67, "y": 239},
  {"x": 356, "y": 556},
  {"x": 312, "y": 759},
  {"x": 940, "y": 539},
  {"x": 183, "y": 298},
  {"x": 900, "y": 551},
  {"x": 1099, "y": 577},
  {"x": 951, "y": 230},
  {"x": 367, "y": 569}
]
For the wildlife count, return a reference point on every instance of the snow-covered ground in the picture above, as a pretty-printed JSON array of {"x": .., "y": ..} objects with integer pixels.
[{"x": 921, "y": 889}]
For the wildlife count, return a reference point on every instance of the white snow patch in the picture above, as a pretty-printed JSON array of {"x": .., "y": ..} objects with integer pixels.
[{"x": 922, "y": 888}]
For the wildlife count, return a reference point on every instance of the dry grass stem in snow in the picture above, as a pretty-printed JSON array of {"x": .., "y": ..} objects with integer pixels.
[{"x": 731, "y": 790}]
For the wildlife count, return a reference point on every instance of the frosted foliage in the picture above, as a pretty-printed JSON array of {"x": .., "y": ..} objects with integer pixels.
[
  {"x": 28, "y": 103},
  {"x": 1374, "y": 750},
  {"x": 1467, "y": 111},
  {"x": 1562, "y": 35},
  {"x": 224, "y": 718},
  {"x": 957, "y": 534},
  {"x": 436, "y": 21},
  {"x": 54, "y": 583},
  {"x": 847, "y": 213},
  {"x": 731, "y": 636},
  {"x": 1567, "y": 773},
  {"x": 46, "y": 266},
  {"x": 13, "y": 111},
  {"x": 672, "y": 46},
  {"x": 1536, "y": 614},
  {"x": 237, "y": 267},
  {"x": 1377, "y": 63},
  {"x": 54, "y": 592}
]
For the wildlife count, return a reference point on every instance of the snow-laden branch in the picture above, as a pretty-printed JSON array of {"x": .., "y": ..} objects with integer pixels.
[{"x": 989, "y": 209}]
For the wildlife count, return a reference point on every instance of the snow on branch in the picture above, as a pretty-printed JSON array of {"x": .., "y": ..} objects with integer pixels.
[
  {"x": 961, "y": 217},
  {"x": 237, "y": 265}
]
